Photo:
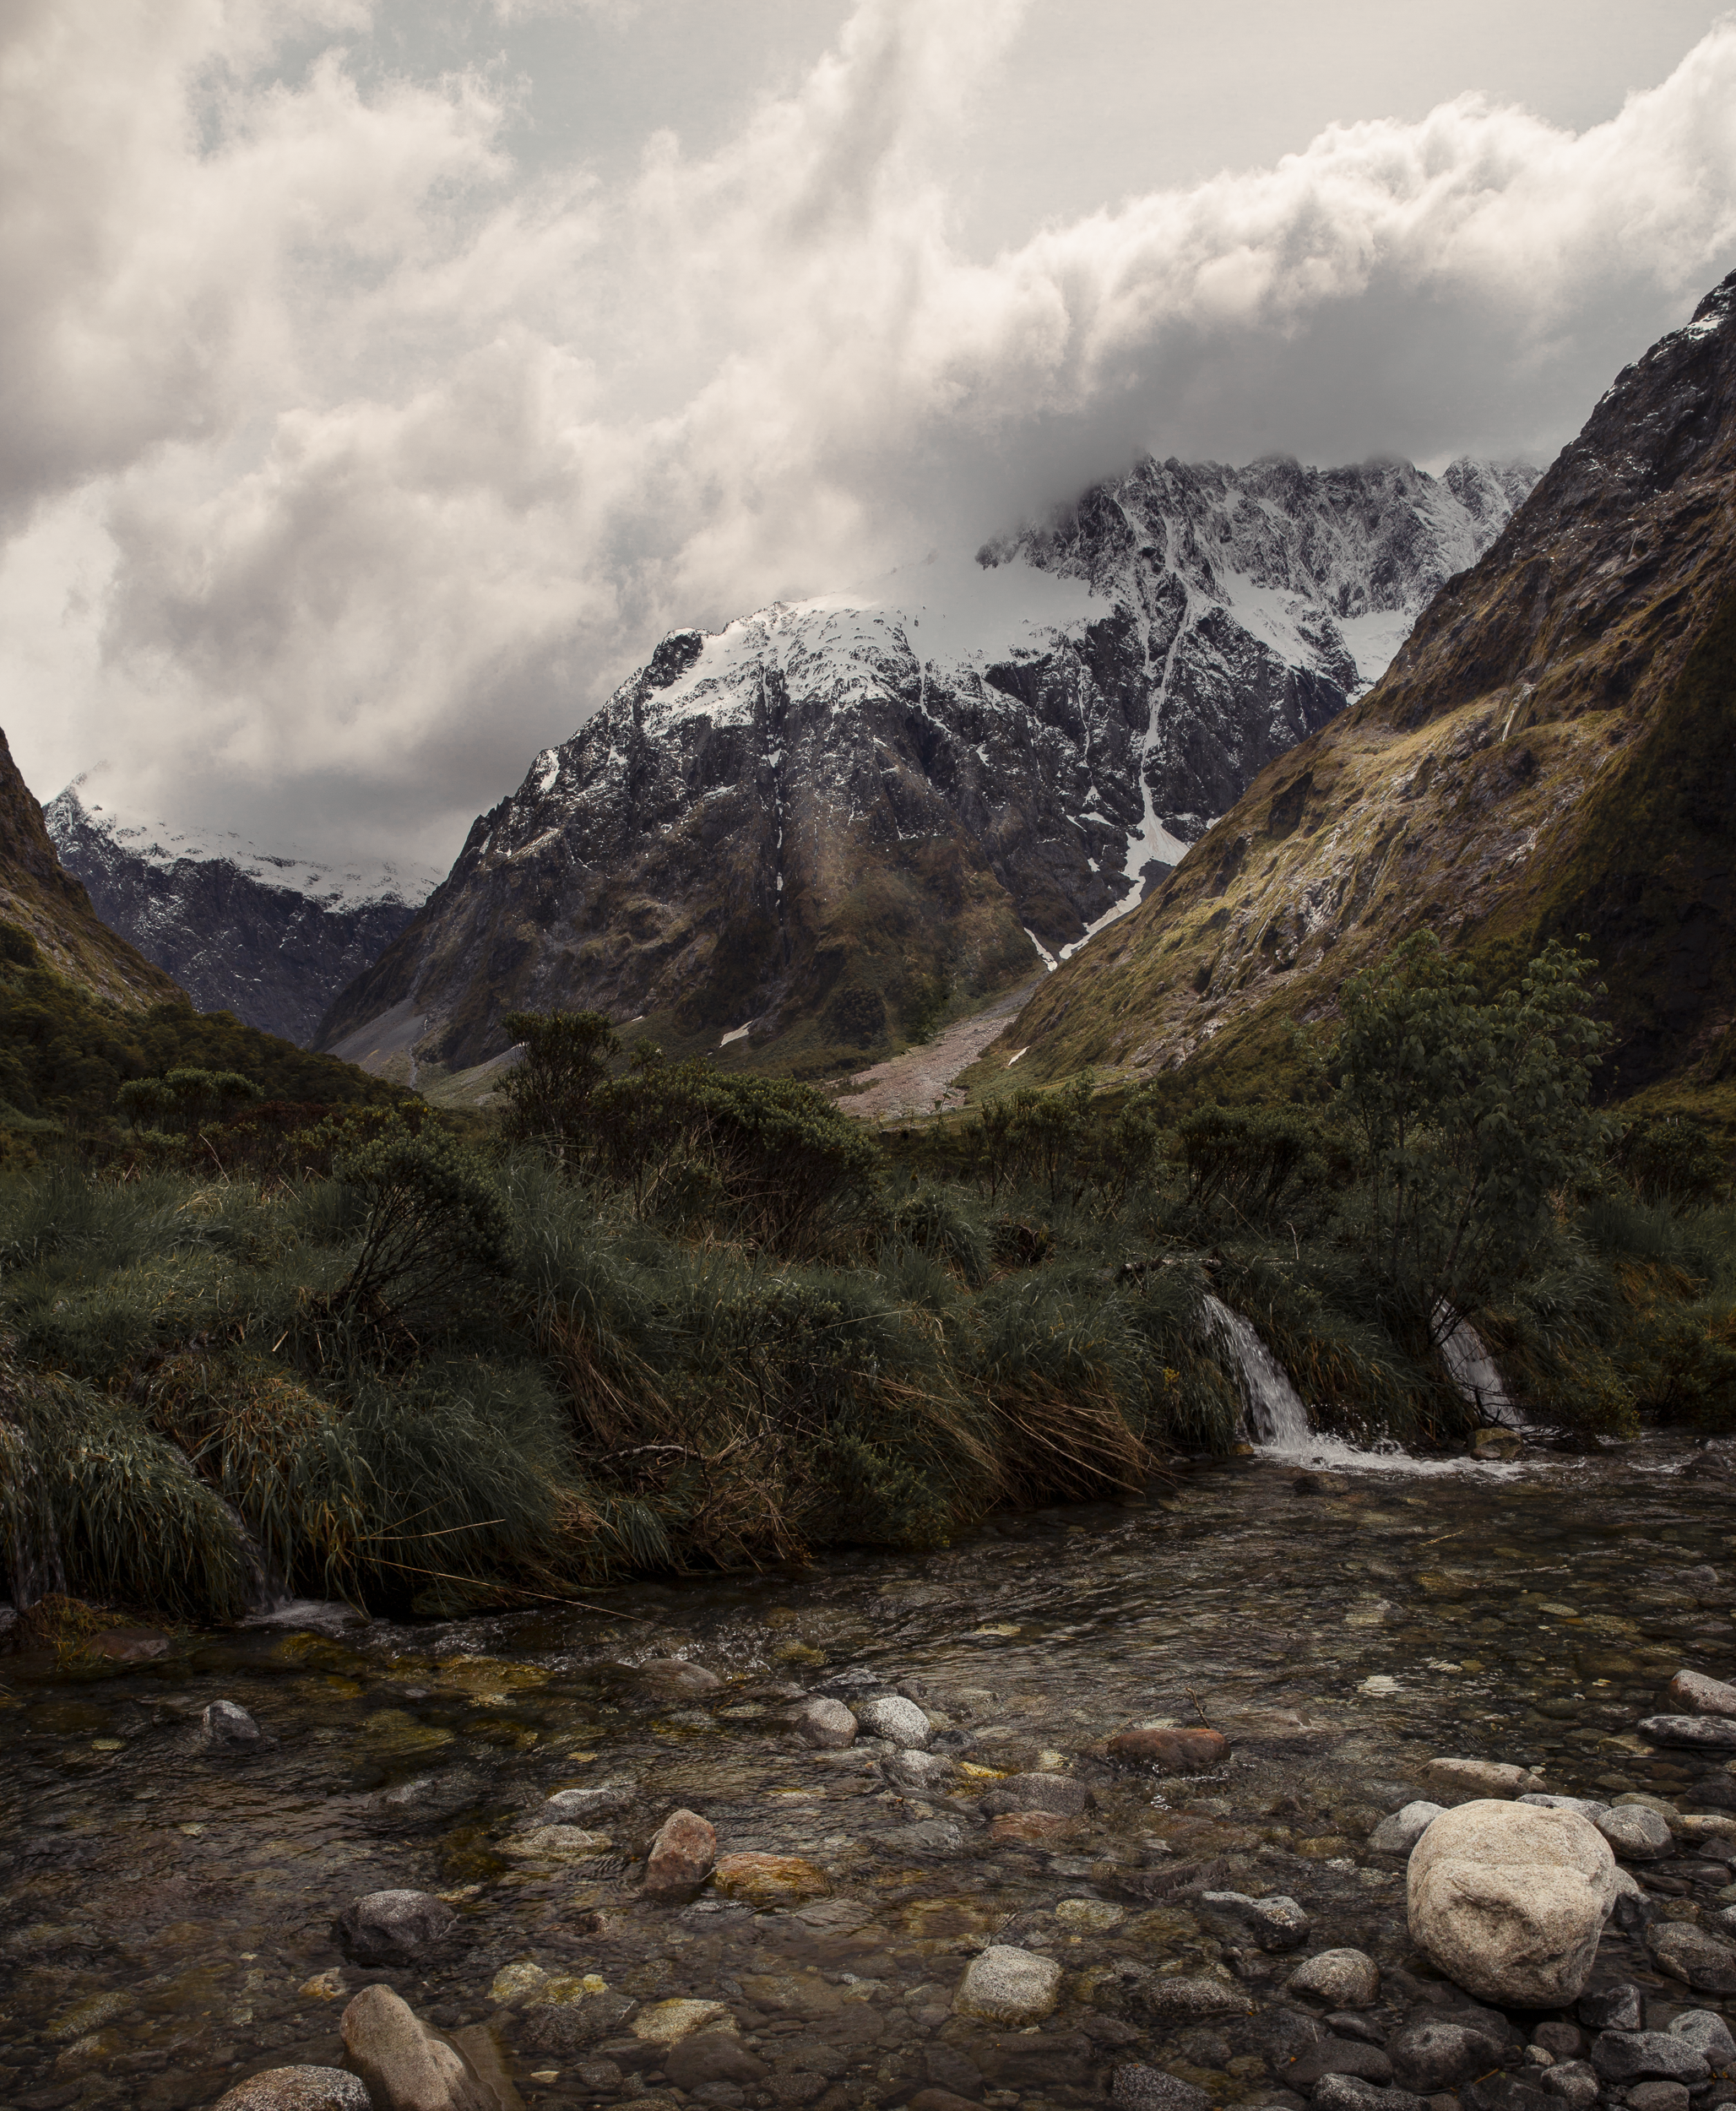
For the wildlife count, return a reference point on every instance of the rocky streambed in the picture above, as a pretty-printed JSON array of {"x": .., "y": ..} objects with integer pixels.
[{"x": 1104, "y": 1804}]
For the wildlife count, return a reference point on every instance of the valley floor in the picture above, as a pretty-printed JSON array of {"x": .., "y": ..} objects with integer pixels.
[{"x": 920, "y": 1080}]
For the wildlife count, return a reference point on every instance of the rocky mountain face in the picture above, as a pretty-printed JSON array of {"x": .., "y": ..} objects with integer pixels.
[
  {"x": 41, "y": 899},
  {"x": 805, "y": 830},
  {"x": 1553, "y": 752},
  {"x": 269, "y": 937}
]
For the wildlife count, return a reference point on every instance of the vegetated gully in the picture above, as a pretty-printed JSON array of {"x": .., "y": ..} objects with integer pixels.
[{"x": 168, "y": 1913}]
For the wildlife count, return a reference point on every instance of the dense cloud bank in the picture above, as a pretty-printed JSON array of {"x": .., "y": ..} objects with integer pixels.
[{"x": 345, "y": 461}]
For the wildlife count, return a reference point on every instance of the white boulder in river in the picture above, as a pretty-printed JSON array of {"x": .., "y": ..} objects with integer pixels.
[{"x": 1509, "y": 1900}]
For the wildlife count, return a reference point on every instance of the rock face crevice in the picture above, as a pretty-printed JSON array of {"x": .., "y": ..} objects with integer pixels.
[{"x": 802, "y": 824}]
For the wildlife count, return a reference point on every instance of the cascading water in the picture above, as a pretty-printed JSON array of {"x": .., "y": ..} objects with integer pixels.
[
  {"x": 1472, "y": 1370},
  {"x": 1277, "y": 1419}
]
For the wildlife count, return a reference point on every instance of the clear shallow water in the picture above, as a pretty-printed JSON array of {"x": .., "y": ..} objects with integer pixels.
[{"x": 167, "y": 1921}]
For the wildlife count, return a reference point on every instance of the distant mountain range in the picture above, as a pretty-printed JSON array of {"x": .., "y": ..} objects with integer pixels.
[
  {"x": 1552, "y": 753},
  {"x": 812, "y": 830},
  {"x": 270, "y": 935}
]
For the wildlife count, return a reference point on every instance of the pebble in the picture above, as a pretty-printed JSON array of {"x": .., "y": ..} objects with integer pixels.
[
  {"x": 666, "y": 2022},
  {"x": 1003, "y": 1984},
  {"x": 1341, "y": 1978},
  {"x": 827, "y": 1724},
  {"x": 1687, "y": 1952},
  {"x": 297, "y": 2089},
  {"x": 1178, "y": 1997},
  {"x": 1398, "y": 1832},
  {"x": 394, "y": 1927},
  {"x": 1467, "y": 1778},
  {"x": 1701, "y": 1695},
  {"x": 1636, "y": 1835},
  {"x": 1698, "y": 1731},
  {"x": 1140, "y": 2088},
  {"x": 1275, "y": 1922},
  {"x": 920, "y": 1773},
  {"x": 1622, "y": 2056},
  {"x": 226, "y": 1728},
  {"x": 1177, "y": 1752},
  {"x": 769, "y": 1880},
  {"x": 1057, "y": 1792},
  {"x": 898, "y": 1720},
  {"x": 682, "y": 1856}
]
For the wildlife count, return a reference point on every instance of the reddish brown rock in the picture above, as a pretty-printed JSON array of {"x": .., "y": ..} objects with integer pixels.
[
  {"x": 128, "y": 1644},
  {"x": 769, "y": 1880},
  {"x": 681, "y": 1857},
  {"x": 1036, "y": 1826},
  {"x": 1193, "y": 1751}
]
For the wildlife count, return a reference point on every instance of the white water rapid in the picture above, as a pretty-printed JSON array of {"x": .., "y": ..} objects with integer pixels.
[{"x": 1277, "y": 1419}]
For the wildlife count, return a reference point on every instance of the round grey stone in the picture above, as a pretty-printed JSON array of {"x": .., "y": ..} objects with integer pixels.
[
  {"x": 898, "y": 1720},
  {"x": 1645, "y": 2056},
  {"x": 1341, "y": 1978},
  {"x": 1636, "y": 1835},
  {"x": 1141, "y": 2088},
  {"x": 1708, "y": 2033},
  {"x": 297, "y": 2089},
  {"x": 394, "y": 1927},
  {"x": 226, "y": 1728},
  {"x": 1003, "y": 1984}
]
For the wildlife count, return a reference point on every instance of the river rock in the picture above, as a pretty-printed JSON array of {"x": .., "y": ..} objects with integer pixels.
[
  {"x": 226, "y": 1728},
  {"x": 1587, "y": 1807},
  {"x": 682, "y": 1856},
  {"x": 1701, "y": 1695},
  {"x": 1428, "y": 2055},
  {"x": 676, "y": 1675},
  {"x": 1339, "y": 2056},
  {"x": 1510, "y": 1901},
  {"x": 1140, "y": 2088},
  {"x": 1658, "y": 2095},
  {"x": 826, "y": 1724},
  {"x": 1687, "y": 1952},
  {"x": 1002, "y": 1984},
  {"x": 1635, "y": 1835},
  {"x": 898, "y": 1720},
  {"x": 427, "y": 1799},
  {"x": 1177, "y": 1752},
  {"x": 667, "y": 2022},
  {"x": 1458, "y": 1779},
  {"x": 1399, "y": 1831},
  {"x": 1176, "y": 1998},
  {"x": 1350, "y": 2092},
  {"x": 297, "y": 2089},
  {"x": 404, "y": 2066},
  {"x": 1622, "y": 2056},
  {"x": 920, "y": 1773},
  {"x": 1709, "y": 2034},
  {"x": 1573, "y": 2082},
  {"x": 769, "y": 1880},
  {"x": 1275, "y": 1922},
  {"x": 1059, "y": 1792},
  {"x": 1698, "y": 1732},
  {"x": 1615, "y": 2007},
  {"x": 1560, "y": 2039},
  {"x": 694, "y": 2062},
  {"x": 394, "y": 1927},
  {"x": 1341, "y": 1978},
  {"x": 579, "y": 1806},
  {"x": 1034, "y": 1828}
]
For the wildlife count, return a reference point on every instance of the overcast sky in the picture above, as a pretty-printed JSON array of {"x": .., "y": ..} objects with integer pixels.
[{"x": 380, "y": 379}]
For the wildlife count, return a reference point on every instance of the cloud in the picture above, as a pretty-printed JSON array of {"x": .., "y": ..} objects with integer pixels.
[{"x": 347, "y": 463}]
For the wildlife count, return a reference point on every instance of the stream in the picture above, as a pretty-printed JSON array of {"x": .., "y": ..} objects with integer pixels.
[{"x": 169, "y": 1909}]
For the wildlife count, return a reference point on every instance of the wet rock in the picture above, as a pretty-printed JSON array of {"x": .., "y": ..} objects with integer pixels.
[
  {"x": 1587, "y": 1807},
  {"x": 1572, "y": 2083},
  {"x": 1176, "y": 1752},
  {"x": 1177, "y": 1998},
  {"x": 1341, "y": 1978},
  {"x": 1635, "y": 1799},
  {"x": 769, "y": 1880},
  {"x": 1320, "y": 1485},
  {"x": 1428, "y": 2055},
  {"x": 557, "y": 1842},
  {"x": 948, "y": 2068},
  {"x": 1492, "y": 1442},
  {"x": 667, "y": 2022},
  {"x": 1057, "y": 1792},
  {"x": 404, "y": 2065},
  {"x": 1617, "y": 2007},
  {"x": 1345, "y": 2022},
  {"x": 580, "y": 1806},
  {"x": 1696, "y": 1732},
  {"x": 1560, "y": 2040},
  {"x": 1140, "y": 2088},
  {"x": 1701, "y": 1695},
  {"x": 1458, "y": 1779},
  {"x": 1635, "y": 1835},
  {"x": 137, "y": 1645},
  {"x": 1704, "y": 1828},
  {"x": 692, "y": 2063},
  {"x": 1398, "y": 1832},
  {"x": 925, "y": 2099},
  {"x": 1339, "y": 2056},
  {"x": 1350, "y": 2092},
  {"x": 920, "y": 1773},
  {"x": 1003, "y": 1984},
  {"x": 682, "y": 1856},
  {"x": 297, "y": 2089},
  {"x": 827, "y": 1724},
  {"x": 394, "y": 1927},
  {"x": 1709, "y": 2034},
  {"x": 1624, "y": 2056},
  {"x": 226, "y": 1728},
  {"x": 1275, "y": 1922},
  {"x": 928, "y": 1836},
  {"x": 1658, "y": 2095},
  {"x": 1036, "y": 2061},
  {"x": 676, "y": 1675},
  {"x": 898, "y": 1720},
  {"x": 428, "y": 1799},
  {"x": 1033, "y": 1828},
  {"x": 1510, "y": 1901},
  {"x": 1687, "y": 1952},
  {"x": 1095, "y": 1916}
]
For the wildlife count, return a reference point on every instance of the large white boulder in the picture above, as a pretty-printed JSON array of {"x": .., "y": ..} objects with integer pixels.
[{"x": 1509, "y": 1900}]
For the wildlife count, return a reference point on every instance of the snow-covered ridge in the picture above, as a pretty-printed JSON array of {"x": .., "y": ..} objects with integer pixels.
[{"x": 356, "y": 883}]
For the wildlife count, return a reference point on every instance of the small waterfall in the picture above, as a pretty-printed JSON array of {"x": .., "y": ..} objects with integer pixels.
[
  {"x": 1472, "y": 1370},
  {"x": 266, "y": 1592},
  {"x": 1277, "y": 1419}
]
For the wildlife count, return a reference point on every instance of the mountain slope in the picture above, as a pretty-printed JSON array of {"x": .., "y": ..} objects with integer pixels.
[
  {"x": 803, "y": 831},
  {"x": 1553, "y": 752},
  {"x": 39, "y": 897},
  {"x": 271, "y": 937}
]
